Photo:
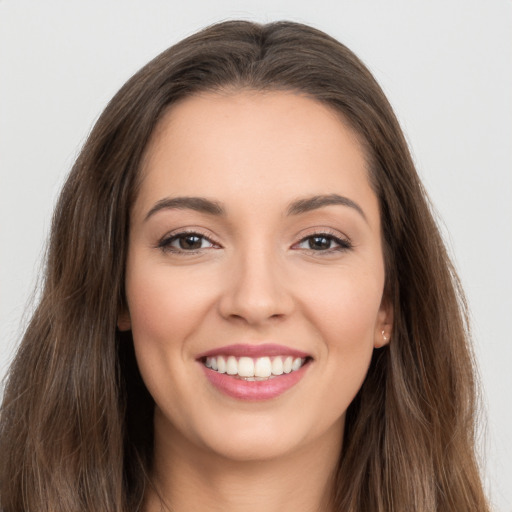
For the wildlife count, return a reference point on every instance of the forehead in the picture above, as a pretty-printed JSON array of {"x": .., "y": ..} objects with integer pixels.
[{"x": 253, "y": 146}]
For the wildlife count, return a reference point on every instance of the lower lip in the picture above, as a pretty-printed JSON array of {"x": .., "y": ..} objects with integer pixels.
[{"x": 254, "y": 390}]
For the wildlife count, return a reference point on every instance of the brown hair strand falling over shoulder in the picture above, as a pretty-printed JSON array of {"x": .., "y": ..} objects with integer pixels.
[{"x": 76, "y": 420}]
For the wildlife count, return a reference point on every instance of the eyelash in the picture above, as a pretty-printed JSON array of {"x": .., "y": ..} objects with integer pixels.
[{"x": 165, "y": 243}]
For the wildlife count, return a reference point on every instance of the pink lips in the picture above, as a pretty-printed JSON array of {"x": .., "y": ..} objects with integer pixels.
[
  {"x": 267, "y": 349},
  {"x": 253, "y": 390}
]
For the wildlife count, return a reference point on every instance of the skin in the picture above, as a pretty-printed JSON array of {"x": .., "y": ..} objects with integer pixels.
[{"x": 255, "y": 279}]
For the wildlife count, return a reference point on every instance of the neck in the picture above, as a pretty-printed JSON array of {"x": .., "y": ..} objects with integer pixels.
[{"x": 187, "y": 477}]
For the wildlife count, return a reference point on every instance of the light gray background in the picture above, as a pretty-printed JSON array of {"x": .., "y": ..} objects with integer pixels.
[{"x": 446, "y": 66}]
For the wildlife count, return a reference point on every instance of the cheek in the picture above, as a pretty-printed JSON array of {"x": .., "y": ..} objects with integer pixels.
[
  {"x": 344, "y": 306},
  {"x": 164, "y": 305},
  {"x": 344, "y": 311}
]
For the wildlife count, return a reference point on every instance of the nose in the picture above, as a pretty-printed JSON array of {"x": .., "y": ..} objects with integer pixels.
[{"x": 256, "y": 290}]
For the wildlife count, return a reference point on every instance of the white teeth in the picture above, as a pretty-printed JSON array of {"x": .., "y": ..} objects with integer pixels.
[
  {"x": 263, "y": 367},
  {"x": 221, "y": 364},
  {"x": 259, "y": 368},
  {"x": 246, "y": 367},
  {"x": 231, "y": 366},
  {"x": 277, "y": 366}
]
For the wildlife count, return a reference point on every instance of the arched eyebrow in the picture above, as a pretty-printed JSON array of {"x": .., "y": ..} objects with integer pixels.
[
  {"x": 210, "y": 207},
  {"x": 313, "y": 203},
  {"x": 198, "y": 204}
]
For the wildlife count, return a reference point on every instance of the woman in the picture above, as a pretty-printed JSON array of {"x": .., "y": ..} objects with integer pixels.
[{"x": 247, "y": 303}]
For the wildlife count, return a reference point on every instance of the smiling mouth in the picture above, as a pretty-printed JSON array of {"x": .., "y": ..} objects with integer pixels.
[{"x": 252, "y": 369}]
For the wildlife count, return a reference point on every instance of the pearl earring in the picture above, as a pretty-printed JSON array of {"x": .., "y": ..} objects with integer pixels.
[{"x": 384, "y": 336}]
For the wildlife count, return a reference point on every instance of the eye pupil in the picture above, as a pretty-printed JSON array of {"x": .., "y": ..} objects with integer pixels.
[
  {"x": 319, "y": 242},
  {"x": 190, "y": 242}
]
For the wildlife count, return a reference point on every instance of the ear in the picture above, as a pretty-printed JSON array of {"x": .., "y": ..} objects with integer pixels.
[
  {"x": 384, "y": 324},
  {"x": 124, "y": 322}
]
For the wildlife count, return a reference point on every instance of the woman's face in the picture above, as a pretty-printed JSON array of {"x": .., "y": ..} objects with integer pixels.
[{"x": 255, "y": 274}]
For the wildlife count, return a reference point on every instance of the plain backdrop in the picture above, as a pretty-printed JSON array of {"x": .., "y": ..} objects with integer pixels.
[{"x": 446, "y": 66}]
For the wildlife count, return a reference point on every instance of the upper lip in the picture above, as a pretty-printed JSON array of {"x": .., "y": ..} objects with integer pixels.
[{"x": 252, "y": 350}]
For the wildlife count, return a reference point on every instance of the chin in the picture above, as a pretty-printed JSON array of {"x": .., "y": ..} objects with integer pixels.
[
  {"x": 251, "y": 446},
  {"x": 263, "y": 438}
]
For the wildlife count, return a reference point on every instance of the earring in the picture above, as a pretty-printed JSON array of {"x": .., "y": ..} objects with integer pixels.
[{"x": 384, "y": 336}]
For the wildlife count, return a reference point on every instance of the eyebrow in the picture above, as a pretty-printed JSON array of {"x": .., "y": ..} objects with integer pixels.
[
  {"x": 313, "y": 203},
  {"x": 210, "y": 207}
]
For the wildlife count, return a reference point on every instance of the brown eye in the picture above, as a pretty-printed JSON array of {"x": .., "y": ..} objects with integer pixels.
[
  {"x": 185, "y": 242},
  {"x": 324, "y": 243},
  {"x": 188, "y": 242},
  {"x": 319, "y": 243}
]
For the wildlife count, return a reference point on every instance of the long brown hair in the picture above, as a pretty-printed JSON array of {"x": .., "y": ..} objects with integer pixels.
[{"x": 76, "y": 420}]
